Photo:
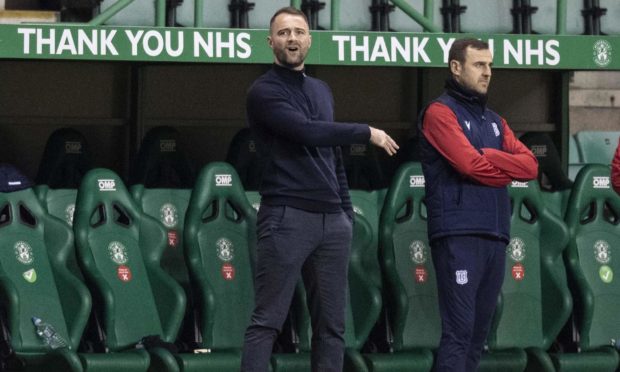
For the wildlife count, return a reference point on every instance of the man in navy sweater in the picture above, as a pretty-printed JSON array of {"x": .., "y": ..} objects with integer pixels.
[
  {"x": 305, "y": 220},
  {"x": 469, "y": 155}
]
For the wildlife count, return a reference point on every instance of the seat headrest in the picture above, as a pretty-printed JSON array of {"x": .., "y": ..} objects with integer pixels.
[
  {"x": 219, "y": 180},
  {"x": 65, "y": 160},
  {"x": 594, "y": 180},
  {"x": 362, "y": 167},
  {"x": 162, "y": 161},
  {"x": 526, "y": 190},
  {"x": 550, "y": 173},
  {"x": 102, "y": 185},
  {"x": 593, "y": 184},
  {"x": 12, "y": 179},
  {"x": 407, "y": 188},
  {"x": 409, "y": 179},
  {"x": 246, "y": 154}
]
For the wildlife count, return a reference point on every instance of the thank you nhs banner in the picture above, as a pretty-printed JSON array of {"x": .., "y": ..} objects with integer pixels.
[{"x": 328, "y": 47}]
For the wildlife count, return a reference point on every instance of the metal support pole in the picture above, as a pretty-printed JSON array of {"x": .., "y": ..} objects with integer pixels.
[
  {"x": 374, "y": 13},
  {"x": 445, "y": 12},
  {"x": 198, "y": 9},
  {"x": 560, "y": 22},
  {"x": 517, "y": 15},
  {"x": 415, "y": 15},
  {"x": 598, "y": 14},
  {"x": 109, "y": 13},
  {"x": 528, "y": 10},
  {"x": 311, "y": 9},
  {"x": 429, "y": 9},
  {"x": 384, "y": 17},
  {"x": 335, "y": 15},
  {"x": 587, "y": 17},
  {"x": 456, "y": 14},
  {"x": 160, "y": 13}
]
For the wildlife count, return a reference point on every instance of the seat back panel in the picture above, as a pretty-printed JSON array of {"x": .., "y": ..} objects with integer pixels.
[
  {"x": 593, "y": 217},
  {"x": 169, "y": 207}
]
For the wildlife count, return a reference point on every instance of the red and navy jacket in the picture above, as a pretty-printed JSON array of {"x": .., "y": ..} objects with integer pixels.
[
  {"x": 469, "y": 155},
  {"x": 615, "y": 169}
]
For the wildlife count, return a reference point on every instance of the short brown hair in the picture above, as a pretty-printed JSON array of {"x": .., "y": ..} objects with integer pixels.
[
  {"x": 288, "y": 10},
  {"x": 457, "y": 51}
]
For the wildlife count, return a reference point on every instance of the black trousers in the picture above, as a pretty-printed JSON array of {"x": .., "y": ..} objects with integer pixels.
[
  {"x": 292, "y": 242},
  {"x": 470, "y": 273}
]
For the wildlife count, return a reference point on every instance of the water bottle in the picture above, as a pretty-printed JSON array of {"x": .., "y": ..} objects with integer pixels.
[{"x": 48, "y": 334}]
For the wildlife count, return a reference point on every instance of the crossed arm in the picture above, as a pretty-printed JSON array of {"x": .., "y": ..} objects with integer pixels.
[{"x": 489, "y": 166}]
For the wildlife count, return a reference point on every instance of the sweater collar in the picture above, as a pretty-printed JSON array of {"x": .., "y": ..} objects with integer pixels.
[
  {"x": 465, "y": 95},
  {"x": 288, "y": 74}
]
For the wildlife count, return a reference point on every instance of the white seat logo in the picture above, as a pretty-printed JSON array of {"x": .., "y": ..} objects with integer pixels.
[
  {"x": 107, "y": 185},
  {"x": 225, "y": 250},
  {"x": 73, "y": 147},
  {"x": 223, "y": 180},
  {"x": 23, "y": 252},
  {"x": 519, "y": 184},
  {"x": 416, "y": 181},
  {"x": 539, "y": 150},
  {"x": 69, "y": 212},
  {"x": 168, "y": 215},
  {"x": 357, "y": 149},
  {"x": 167, "y": 145},
  {"x": 600, "y": 182}
]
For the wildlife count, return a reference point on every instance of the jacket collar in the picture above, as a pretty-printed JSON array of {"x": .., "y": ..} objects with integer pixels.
[
  {"x": 465, "y": 95},
  {"x": 288, "y": 74}
]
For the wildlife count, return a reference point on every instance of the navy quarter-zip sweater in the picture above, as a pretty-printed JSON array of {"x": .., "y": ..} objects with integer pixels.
[{"x": 293, "y": 114}]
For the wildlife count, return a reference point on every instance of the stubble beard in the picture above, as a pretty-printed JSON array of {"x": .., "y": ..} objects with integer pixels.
[{"x": 290, "y": 61}]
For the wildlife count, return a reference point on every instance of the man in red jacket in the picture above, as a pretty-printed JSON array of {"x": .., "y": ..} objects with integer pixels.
[
  {"x": 615, "y": 169},
  {"x": 469, "y": 155}
]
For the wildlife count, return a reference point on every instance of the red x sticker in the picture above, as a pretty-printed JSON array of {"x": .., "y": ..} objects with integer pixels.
[
  {"x": 420, "y": 275},
  {"x": 228, "y": 271},
  {"x": 172, "y": 238},
  {"x": 124, "y": 273},
  {"x": 518, "y": 272}
]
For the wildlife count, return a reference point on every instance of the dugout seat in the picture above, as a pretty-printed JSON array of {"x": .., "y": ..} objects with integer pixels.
[
  {"x": 367, "y": 206},
  {"x": 535, "y": 302},
  {"x": 362, "y": 167},
  {"x": 409, "y": 283},
  {"x": 65, "y": 160},
  {"x": 593, "y": 217},
  {"x": 161, "y": 182},
  {"x": 220, "y": 241},
  {"x": 551, "y": 177},
  {"x": 245, "y": 155},
  {"x": 162, "y": 161},
  {"x": 35, "y": 281},
  {"x": 163, "y": 178},
  {"x": 119, "y": 249},
  {"x": 597, "y": 146}
]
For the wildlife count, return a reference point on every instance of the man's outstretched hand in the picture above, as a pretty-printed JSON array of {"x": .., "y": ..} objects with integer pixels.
[{"x": 381, "y": 139}]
